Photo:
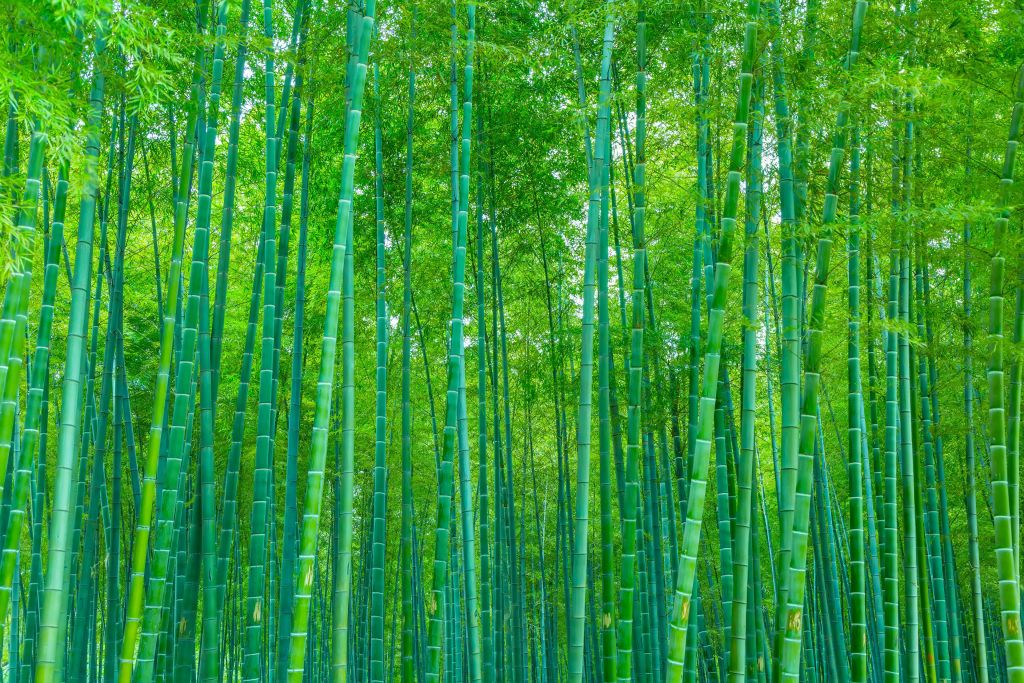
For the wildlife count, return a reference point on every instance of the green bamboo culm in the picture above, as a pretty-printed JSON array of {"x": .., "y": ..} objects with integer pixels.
[
  {"x": 631, "y": 566},
  {"x": 228, "y": 212},
  {"x": 743, "y": 538},
  {"x": 408, "y": 627},
  {"x": 21, "y": 285},
  {"x": 137, "y": 588},
  {"x": 930, "y": 500},
  {"x": 210, "y": 644},
  {"x": 229, "y": 504},
  {"x": 34, "y": 436},
  {"x": 313, "y": 501},
  {"x": 53, "y": 610},
  {"x": 689, "y": 546},
  {"x": 971, "y": 495},
  {"x": 789, "y": 657},
  {"x": 115, "y": 326},
  {"x": 605, "y": 378},
  {"x": 577, "y": 596},
  {"x": 345, "y": 448},
  {"x": 19, "y": 288},
  {"x": 915, "y": 626},
  {"x": 442, "y": 547},
  {"x": 486, "y": 583},
  {"x": 289, "y": 544},
  {"x": 1006, "y": 543},
  {"x": 378, "y": 528},
  {"x": 31, "y": 432},
  {"x": 14, "y": 320},
  {"x": 790, "y": 342},
  {"x": 855, "y": 408},
  {"x": 259, "y": 526},
  {"x": 890, "y": 571}
]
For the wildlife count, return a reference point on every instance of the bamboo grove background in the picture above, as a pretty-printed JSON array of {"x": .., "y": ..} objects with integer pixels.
[{"x": 511, "y": 342}]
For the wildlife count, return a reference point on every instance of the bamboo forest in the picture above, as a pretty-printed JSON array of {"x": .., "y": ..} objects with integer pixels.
[{"x": 511, "y": 341}]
